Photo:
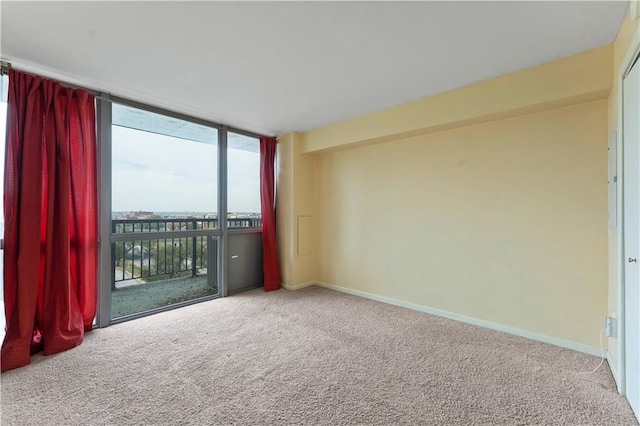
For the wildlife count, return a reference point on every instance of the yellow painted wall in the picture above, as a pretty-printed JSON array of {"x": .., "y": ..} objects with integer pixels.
[
  {"x": 504, "y": 221},
  {"x": 489, "y": 201},
  {"x": 284, "y": 207},
  {"x": 623, "y": 42},
  {"x": 294, "y": 208}
]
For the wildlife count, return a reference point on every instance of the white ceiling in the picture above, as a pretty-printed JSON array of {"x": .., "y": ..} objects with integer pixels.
[{"x": 278, "y": 67}]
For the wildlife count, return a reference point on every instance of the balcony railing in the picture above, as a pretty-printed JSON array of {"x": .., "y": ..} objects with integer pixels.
[
  {"x": 150, "y": 259},
  {"x": 158, "y": 225}
]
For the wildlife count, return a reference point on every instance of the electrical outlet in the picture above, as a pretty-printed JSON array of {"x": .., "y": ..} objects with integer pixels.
[{"x": 611, "y": 327}]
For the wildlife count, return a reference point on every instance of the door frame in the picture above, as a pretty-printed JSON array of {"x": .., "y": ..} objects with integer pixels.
[
  {"x": 629, "y": 59},
  {"x": 104, "y": 105}
]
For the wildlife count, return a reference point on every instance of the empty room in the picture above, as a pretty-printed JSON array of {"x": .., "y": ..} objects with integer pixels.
[{"x": 358, "y": 213}]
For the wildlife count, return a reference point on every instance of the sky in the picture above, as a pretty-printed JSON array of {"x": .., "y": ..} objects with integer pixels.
[{"x": 159, "y": 173}]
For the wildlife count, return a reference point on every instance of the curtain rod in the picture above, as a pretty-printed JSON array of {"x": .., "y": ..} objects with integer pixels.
[{"x": 5, "y": 66}]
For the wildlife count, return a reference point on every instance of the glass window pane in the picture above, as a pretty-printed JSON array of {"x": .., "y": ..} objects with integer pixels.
[
  {"x": 243, "y": 195},
  {"x": 149, "y": 274},
  {"x": 4, "y": 88},
  {"x": 164, "y": 177},
  {"x": 163, "y": 167},
  {"x": 4, "y": 83}
]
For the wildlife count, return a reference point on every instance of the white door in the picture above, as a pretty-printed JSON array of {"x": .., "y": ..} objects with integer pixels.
[{"x": 631, "y": 136}]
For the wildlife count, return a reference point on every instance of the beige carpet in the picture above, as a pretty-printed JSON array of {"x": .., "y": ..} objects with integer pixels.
[{"x": 313, "y": 356}]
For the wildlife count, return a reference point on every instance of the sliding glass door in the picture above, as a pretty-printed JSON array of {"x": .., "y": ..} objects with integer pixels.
[{"x": 165, "y": 227}]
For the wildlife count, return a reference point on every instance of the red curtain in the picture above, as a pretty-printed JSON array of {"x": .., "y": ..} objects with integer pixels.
[
  {"x": 50, "y": 208},
  {"x": 270, "y": 265}
]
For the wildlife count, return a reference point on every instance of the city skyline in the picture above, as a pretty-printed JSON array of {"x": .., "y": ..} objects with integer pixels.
[{"x": 145, "y": 214}]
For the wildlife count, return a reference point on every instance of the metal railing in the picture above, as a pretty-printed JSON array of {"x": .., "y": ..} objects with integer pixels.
[
  {"x": 151, "y": 259},
  {"x": 119, "y": 226}
]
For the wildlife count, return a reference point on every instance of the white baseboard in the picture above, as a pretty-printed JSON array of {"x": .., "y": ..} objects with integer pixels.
[
  {"x": 469, "y": 320},
  {"x": 614, "y": 371},
  {"x": 298, "y": 286}
]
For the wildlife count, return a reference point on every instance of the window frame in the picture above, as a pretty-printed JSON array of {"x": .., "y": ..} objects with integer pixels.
[{"x": 104, "y": 104}]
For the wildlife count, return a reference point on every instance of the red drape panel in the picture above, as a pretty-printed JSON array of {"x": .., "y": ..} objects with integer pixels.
[
  {"x": 50, "y": 256},
  {"x": 270, "y": 265}
]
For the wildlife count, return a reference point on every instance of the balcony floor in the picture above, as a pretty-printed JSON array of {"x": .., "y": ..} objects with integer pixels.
[{"x": 133, "y": 297}]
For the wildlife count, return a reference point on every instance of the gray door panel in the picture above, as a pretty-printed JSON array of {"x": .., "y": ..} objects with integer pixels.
[{"x": 244, "y": 261}]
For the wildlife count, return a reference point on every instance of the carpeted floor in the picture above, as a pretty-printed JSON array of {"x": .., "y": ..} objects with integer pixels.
[{"x": 312, "y": 356}]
